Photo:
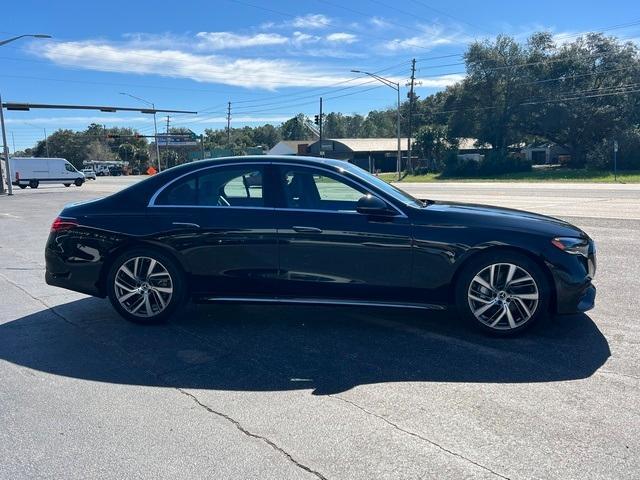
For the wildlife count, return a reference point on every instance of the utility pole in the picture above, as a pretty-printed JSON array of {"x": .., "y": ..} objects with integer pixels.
[
  {"x": 202, "y": 145},
  {"x": 229, "y": 125},
  {"x": 46, "y": 141},
  {"x": 320, "y": 125},
  {"x": 166, "y": 150},
  {"x": 413, "y": 79},
  {"x": 615, "y": 160},
  {"x": 13, "y": 141}
]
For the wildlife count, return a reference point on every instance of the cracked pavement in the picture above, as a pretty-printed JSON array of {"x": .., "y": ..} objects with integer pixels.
[{"x": 319, "y": 392}]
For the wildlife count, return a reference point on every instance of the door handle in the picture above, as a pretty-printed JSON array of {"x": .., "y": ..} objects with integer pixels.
[
  {"x": 186, "y": 224},
  {"x": 306, "y": 229}
]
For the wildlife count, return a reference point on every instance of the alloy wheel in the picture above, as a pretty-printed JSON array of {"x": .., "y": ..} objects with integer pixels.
[
  {"x": 143, "y": 286},
  {"x": 503, "y": 296}
]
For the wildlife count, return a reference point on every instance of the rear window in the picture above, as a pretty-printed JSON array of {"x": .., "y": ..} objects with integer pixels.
[{"x": 233, "y": 186}]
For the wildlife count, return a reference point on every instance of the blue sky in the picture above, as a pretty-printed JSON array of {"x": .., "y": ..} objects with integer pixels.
[{"x": 271, "y": 59}]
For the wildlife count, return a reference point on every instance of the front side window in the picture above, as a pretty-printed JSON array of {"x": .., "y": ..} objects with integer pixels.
[
  {"x": 69, "y": 168},
  {"x": 217, "y": 187},
  {"x": 314, "y": 190}
]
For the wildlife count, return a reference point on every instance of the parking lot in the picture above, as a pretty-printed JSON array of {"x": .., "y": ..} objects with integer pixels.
[{"x": 320, "y": 392}]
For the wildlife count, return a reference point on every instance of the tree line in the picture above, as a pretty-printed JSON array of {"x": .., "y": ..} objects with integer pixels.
[{"x": 582, "y": 95}]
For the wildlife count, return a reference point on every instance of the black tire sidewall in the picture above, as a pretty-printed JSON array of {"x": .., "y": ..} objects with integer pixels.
[
  {"x": 177, "y": 277},
  {"x": 475, "y": 265},
  {"x": 78, "y": 182}
]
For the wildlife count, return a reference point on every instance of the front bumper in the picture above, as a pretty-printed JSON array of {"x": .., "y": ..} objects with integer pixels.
[{"x": 573, "y": 275}]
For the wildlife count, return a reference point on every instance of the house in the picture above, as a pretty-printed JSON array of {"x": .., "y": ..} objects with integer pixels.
[
  {"x": 546, "y": 154},
  {"x": 373, "y": 154},
  {"x": 290, "y": 147}
]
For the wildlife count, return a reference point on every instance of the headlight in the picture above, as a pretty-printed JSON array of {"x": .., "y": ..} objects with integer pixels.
[{"x": 572, "y": 245}]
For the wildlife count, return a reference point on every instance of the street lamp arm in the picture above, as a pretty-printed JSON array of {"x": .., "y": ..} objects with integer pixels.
[
  {"x": 37, "y": 35},
  {"x": 386, "y": 81},
  {"x": 138, "y": 98}
]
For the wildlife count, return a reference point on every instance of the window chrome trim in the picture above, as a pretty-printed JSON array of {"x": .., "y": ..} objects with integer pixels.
[
  {"x": 152, "y": 201},
  {"x": 226, "y": 207},
  {"x": 329, "y": 168}
]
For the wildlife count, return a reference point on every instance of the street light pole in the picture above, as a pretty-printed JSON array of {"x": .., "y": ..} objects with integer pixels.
[
  {"x": 155, "y": 124},
  {"x": 5, "y": 149},
  {"x": 396, "y": 87},
  {"x": 4, "y": 133}
]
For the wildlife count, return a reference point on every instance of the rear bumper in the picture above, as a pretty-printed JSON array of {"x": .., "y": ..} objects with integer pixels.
[{"x": 79, "y": 277}]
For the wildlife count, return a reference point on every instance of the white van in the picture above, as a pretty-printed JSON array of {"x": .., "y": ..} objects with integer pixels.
[{"x": 32, "y": 171}]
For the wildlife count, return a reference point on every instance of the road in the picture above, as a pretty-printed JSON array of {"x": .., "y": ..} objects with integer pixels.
[{"x": 320, "y": 392}]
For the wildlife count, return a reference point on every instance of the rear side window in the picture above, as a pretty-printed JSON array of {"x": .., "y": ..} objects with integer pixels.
[{"x": 233, "y": 186}]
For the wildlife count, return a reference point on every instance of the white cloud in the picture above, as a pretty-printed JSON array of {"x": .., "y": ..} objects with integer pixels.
[
  {"x": 428, "y": 37},
  {"x": 341, "y": 37},
  {"x": 238, "y": 119},
  {"x": 228, "y": 40},
  {"x": 440, "y": 82},
  {"x": 300, "y": 38},
  {"x": 311, "y": 20},
  {"x": 379, "y": 22},
  {"x": 242, "y": 72},
  {"x": 58, "y": 121}
]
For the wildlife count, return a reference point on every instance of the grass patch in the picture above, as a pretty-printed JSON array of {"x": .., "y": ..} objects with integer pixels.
[{"x": 535, "y": 175}]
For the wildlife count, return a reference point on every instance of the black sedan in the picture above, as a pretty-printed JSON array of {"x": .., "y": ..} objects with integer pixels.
[{"x": 308, "y": 230}]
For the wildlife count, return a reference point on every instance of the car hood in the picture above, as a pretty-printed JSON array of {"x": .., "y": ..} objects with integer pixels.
[{"x": 498, "y": 217}]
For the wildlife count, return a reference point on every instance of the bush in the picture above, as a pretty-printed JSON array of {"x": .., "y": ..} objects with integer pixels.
[
  {"x": 601, "y": 156},
  {"x": 495, "y": 163},
  {"x": 492, "y": 164}
]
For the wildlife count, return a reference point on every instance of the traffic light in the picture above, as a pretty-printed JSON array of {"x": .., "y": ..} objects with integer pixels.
[{"x": 317, "y": 120}]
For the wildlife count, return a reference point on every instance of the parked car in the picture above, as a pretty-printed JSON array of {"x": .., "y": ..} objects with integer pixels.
[
  {"x": 320, "y": 232},
  {"x": 115, "y": 171},
  {"x": 89, "y": 173},
  {"x": 33, "y": 171}
]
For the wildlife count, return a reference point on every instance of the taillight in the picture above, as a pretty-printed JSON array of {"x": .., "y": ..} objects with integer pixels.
[
  {"x": 61, "y": 224},
  {"x": 17, "y": 176}
]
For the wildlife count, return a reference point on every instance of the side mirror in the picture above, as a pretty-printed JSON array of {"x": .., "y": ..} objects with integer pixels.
[{"x": 372, "y": 205}]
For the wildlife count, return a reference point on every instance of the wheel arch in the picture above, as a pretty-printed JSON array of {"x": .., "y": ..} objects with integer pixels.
[
  {"x": 129, "y": 244},
  {"x": 507, "y": 248}
]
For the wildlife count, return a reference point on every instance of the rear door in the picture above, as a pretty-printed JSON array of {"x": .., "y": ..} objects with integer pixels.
[
  {"x": 221, "y": 221},
  {"x": 329, "y": 250}
]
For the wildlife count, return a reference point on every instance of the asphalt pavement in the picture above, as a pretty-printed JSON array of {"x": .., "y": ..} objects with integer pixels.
[{"x": 275, "y": 392}]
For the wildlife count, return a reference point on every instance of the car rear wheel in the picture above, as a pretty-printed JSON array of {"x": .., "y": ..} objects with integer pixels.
[
  {"x": 67, "y": 184},
  {"x": 145, "y": 286},
  {"x": 34, "y": 183},
  {"x": 22, "y": 187},
  {"x": 502, "y": 293}
]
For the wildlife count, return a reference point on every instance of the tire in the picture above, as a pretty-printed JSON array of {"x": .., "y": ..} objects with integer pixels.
[
  {"x": 129, "y": 296},
  {"x": 78, "y": 182},
  {"x": 34, "y": 183},
  {"x": 67, "y": 184},
  {"x": 499, "y": 307},
  {"x": 22, "y": 187}
]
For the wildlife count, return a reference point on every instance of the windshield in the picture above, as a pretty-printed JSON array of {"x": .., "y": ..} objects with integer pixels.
[{"x": 387, "y": 188}]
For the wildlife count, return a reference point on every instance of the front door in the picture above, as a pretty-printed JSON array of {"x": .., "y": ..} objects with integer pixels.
[{"x": 327, "y": 249}]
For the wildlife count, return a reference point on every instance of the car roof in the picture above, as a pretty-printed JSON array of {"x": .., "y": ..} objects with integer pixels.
[{"x": 303, "y": 160}]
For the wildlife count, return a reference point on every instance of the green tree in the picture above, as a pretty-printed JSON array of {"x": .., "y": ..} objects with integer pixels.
[
  {"x": 294, "y": 129},
  {"x": 433, "y": 144}
]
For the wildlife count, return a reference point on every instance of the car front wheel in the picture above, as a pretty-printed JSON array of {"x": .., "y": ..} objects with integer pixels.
[
  {"x": 502, "y": 293},
  {"x": 145, "y": 286}
]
